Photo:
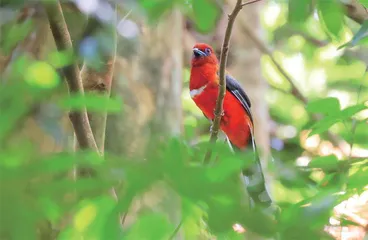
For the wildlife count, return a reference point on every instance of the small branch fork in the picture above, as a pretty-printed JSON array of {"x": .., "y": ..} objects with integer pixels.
[
  {"x": 63, "y": 41},
  {"x": 72, "y": 74},
  {"x": 249, "y": 2},
  {"x": 222, "y": 84}
]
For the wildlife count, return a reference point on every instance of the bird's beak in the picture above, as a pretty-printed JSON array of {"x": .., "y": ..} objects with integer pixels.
[{"x": 198, "y": 53}]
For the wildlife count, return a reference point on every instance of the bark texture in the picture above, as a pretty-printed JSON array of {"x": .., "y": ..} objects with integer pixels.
[{"x": 149, "y": 79}]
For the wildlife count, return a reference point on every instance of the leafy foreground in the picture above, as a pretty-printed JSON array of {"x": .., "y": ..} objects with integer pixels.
[{"x": 41, "y": 198}]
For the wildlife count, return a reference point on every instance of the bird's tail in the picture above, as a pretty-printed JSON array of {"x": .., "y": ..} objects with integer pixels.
[{"x": 255, "y": 181}]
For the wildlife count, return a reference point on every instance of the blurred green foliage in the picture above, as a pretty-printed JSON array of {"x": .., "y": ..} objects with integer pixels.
[{"x": 41, "y": 200}]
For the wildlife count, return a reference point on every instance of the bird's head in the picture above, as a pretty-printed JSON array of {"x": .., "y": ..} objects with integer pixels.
[{"x": 202, "y": 54}]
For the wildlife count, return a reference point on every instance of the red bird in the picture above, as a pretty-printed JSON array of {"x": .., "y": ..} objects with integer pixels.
[{"x": 236, "y": 122}]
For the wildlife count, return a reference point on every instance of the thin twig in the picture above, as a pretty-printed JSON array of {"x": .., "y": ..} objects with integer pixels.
[
  {"x": 123, "y": 217},
  {"x": 262, "y": 47},
  {"x": 250, "y": 2},
  {"x": 72, "y": 75},
  {"x": 108, "y": 81},
  {"x": 222, "y": 84},
  {"x": 355, "y": 10},
  {"x": 176, "y": 230},
  {"x": 63, "y": 42}
]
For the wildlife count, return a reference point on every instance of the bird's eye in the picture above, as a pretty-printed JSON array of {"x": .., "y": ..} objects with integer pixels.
[{"x": 208, "y": 51}]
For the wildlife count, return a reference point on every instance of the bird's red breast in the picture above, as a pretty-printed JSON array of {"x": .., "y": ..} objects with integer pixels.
[{"x": 236, "y": 122}]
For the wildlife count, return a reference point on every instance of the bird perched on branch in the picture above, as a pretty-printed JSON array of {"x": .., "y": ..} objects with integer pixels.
[{"x": 236, "y": 121}]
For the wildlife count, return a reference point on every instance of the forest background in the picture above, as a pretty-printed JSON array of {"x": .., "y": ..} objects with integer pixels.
[{"x": 100, "y": 139}]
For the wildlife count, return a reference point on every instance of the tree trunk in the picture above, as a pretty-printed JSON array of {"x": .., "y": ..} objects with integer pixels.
[{"x": 149, "y": 80}]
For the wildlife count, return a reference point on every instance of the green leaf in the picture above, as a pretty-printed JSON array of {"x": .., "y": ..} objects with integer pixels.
[
  {"x": 352, "y": 110},
  {"x": 206, "y": 14},
  {"x": 323, "y": 125},
  {"x": 90, "y": 219},
  {"x": 299, "y": 10},
  {"x": 335, "y": 115},
  {"x": 192, "y": 215},
  {"x": 151, "y": 226},
  {"x": 60, "y": 59},
  {"x": 227, "y": 167},
  {"x": 93, "y": 102},
  {"x": 328, "y": 106},
  {"x": 364, "y": 3},
  {"x": 15, "y": 34},
  {"x": 362, "y": 33},
  {"x": 82, "y": 186},
  {"x": 51, "y": 209},
  {"x": 326, "y": 163},
  {"x": 42, "y": 75},
  {"x": 359, "y": 179},
  {"x": 156, "y": 8},
  {"x": 313, "y": 212},
  {"x": 331, "y": 17},
  {"x": 61, "y": 162}
]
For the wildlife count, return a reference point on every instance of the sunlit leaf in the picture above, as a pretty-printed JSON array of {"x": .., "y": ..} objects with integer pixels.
[
  {"x": 84, "y": 217},
  {"x": 359, "y": 179},
  {"x": 206, "y": 13},
  {"x": 328, "y": 106},
  {"x": 364, "y": 3},
  {"x": 192, "y": 215},
  {"x": 151, "y": 226},
  {"x": 331, "y": 16},
  {"x": 156, "y": 8},
  {"x": 323, "y": 125},
  {"x": 362, "y": 33},
  {"x": 93, "y": 102},
  {"x": 299, "y": 10},
  {"x": 352, "y": 110},
  {"x": 90, "y": 219},
  {"x": 326, "y": 163},
  {"x": 41, "y": 74}
]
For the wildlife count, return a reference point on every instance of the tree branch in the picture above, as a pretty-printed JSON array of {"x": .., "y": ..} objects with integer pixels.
[
  {"x": 71, "y": 73},
  {"x": 222, "y": 84},
  {"x": 263, "y": 48},
  {"x": 294, "y": 90},
  {"x": 249, "y": 2},
  {"x": 100, "y": 81},
  {"x": 355, "y": 10}
]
